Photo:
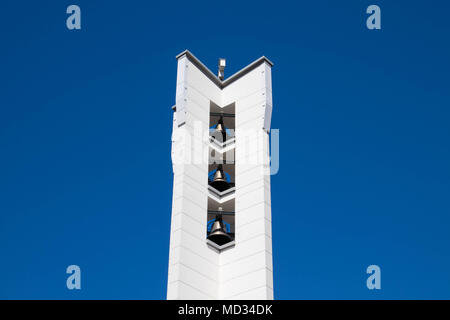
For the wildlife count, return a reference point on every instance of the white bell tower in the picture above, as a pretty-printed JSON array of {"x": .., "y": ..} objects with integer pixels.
[{"x": 221, "y": 229}]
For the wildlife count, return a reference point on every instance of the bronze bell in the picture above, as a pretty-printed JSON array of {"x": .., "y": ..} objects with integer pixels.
[
  {"x": 218, "y": 232},
  {"x": 219, "y": 182},
  {"x": 220, "y": 130}
]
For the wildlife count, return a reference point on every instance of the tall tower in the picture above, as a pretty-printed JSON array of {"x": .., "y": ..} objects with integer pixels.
[{"x": 221, "y": 229}]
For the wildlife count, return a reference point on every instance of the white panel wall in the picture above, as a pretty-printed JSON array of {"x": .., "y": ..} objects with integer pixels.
[
  {"x": 245, "y": 271},
  {"x": 193, "y": 267}
]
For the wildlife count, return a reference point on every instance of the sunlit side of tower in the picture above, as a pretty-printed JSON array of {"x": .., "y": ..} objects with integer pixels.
[{"x": 221, "y": 240}]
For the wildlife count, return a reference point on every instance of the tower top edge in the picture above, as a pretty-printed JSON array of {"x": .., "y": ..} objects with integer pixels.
[{"x": 222, "y": 84}]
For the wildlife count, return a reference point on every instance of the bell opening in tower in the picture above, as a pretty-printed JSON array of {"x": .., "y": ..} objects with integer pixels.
[
  {"x": 221, "y": 175},
  {"x": 220, "y": 222},
  {"x": 222, "y": 124}
]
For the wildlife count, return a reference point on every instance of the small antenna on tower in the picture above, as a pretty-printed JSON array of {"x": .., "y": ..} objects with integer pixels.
[{"x": 222, "y": 64}]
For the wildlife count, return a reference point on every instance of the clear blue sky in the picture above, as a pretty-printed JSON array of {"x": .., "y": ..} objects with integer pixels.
[{"x": 85, "y": 125}]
